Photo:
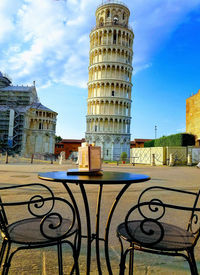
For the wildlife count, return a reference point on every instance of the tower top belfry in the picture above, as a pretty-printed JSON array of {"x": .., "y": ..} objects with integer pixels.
[
  {"x": 112, "y": 12},
  {"x": 109, "y": 86}
]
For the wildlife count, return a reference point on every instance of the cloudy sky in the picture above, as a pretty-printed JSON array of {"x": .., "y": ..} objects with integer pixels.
[{"x": 48, "y": 41}]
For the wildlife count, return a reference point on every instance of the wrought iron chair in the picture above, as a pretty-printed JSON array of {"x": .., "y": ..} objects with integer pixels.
[
  {"x": 157, "y": 227},
  {"x": 44, "y": 224}
]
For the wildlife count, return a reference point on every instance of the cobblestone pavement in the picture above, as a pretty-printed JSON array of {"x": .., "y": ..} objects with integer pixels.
[{"x": 44, "y": 261}]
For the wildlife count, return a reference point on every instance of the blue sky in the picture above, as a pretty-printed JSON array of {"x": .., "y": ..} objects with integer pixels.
[{"x": 48, "y": 41}]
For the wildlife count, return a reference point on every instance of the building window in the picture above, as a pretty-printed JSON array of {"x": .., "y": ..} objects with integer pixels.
[
  {"x": 40, "y": 126},
  {"x": 95, "y": 128},
  {"x": 108, "y": 13},
  {"x": 123, "y": 17},
  {"x": 113, "y": 93},
  {"x": 114, "y": 37},
  {"x": 115, "y": 19},
  {"x": 101, "y": 22},
  {"x": 107, "y": 152}
]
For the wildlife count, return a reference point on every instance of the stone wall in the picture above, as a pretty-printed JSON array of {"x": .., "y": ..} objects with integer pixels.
[
  {"x": 193, "y": 116},
  {"x": 162, "y": 155}
]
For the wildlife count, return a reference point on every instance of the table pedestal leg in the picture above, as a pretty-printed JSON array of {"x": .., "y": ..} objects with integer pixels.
[
  {"x": 108, "y": 227},
  {"x": 89, "y": 237},
  {"x": 98, "y": 211},
  {"x": 79, "y": 226}
]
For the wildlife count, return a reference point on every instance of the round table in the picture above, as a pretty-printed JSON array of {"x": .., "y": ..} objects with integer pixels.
[{"x": 107, "y": 178}]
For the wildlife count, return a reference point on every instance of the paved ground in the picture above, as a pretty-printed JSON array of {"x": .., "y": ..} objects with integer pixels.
[{"x": 44, "y": 261}]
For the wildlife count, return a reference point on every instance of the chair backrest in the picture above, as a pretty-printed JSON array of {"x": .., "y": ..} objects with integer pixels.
[
  {"x": 154, "y": 204},
  {"x": 194, "y": 222},
  {"x": 54, "y": 213},
  {"x": 3, "y": 220}
]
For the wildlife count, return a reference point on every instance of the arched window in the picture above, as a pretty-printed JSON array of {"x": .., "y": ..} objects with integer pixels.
[
  {"x": 114, "y": 37},
  {"x": 40, "y": 126},
  {"x": 101, "y": 21},
  {"x": 123, "y": 16},
  {"x": 108, "y": 13},
  {"x": 113, "y": 93}
]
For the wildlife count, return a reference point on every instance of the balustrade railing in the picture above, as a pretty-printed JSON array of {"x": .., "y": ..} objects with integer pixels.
[{"x": 112, "y": 24}]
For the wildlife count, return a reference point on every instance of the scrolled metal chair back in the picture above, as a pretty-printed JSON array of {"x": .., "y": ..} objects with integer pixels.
[
  {"x": 55, "y": 222},
  {"x": 3, "y": 219},
  {"x": 149, "y": 231},
  {"x": 153, "y": 211},
  {"x": 194, "y": 222},
  {"x": 37, "y": 205}
]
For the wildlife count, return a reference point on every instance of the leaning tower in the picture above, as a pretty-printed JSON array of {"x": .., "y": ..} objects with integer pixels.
[{"x": 109, "y": 86}]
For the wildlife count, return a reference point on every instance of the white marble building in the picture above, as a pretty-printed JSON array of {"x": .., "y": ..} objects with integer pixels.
[
  {"x": 26, "y": 126},
  {"x": 109, "y": 86}
]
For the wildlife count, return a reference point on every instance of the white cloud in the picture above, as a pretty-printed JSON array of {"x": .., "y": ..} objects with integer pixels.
[{"x": 48, "y": 40}]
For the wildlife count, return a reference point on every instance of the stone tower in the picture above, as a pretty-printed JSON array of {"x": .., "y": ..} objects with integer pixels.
[{"x": 109, "y": 86}]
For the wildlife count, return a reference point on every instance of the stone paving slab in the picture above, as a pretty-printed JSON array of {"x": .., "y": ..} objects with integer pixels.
[{"x": 44, "y": 261}]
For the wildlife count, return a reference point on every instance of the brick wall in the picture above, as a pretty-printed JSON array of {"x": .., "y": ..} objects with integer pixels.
[{"x": 68, "y": 146}]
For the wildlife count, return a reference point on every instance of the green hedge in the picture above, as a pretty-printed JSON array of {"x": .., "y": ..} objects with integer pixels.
[
  {"x": 149, "y": 143},
  {"x": 175, "y": 140},
  {"x": 182, "y": 139}
]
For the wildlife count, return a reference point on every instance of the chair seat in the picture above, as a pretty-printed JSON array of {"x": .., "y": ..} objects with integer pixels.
[
  {"x": 28, "y": 231},
  {"x": 175, "y": 238}
]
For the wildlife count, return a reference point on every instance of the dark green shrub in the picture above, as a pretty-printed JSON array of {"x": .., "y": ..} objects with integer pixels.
[
  {"x": 123, "y": 156},
  {"x": 149, "y": 143},
  {"x": 182, "y": 139}
]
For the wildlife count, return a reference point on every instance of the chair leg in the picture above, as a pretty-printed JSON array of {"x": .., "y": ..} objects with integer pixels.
[
  {"x": 3, "y": 248},
  {"x": 75, "y": 265},
  {"x": 131, "y": 260},
  {"x": 76, "y": 251},
  {"x": 6, "y": 264},
  {"x": 122, "y": 263},
  {"x": 60, "y": 263},
  {"x": 123, "y": 260},
  {"x": 192, "y": 262}
]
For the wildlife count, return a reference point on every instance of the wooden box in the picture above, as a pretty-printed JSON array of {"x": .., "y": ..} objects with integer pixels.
[{"x": 89, "y": 157}]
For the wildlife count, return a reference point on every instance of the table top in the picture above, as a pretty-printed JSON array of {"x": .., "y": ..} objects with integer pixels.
[{"x": 107, "y": 177}]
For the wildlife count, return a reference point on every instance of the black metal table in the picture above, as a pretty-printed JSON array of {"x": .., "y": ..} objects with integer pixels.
[{"x": 107, "y": 178}]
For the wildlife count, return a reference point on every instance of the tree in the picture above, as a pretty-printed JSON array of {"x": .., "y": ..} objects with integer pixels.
[
  {"x": 123, "y": 156},
  {"x": 58, "y": 139}
]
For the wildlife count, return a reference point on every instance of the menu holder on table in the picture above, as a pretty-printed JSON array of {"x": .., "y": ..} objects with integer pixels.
[{"x": 89, "y": 158}]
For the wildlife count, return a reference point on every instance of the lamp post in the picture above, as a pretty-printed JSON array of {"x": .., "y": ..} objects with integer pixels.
[{"x": 155, "y": 131}]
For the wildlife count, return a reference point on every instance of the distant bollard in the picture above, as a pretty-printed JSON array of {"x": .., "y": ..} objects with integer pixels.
[
  {"x": 32, "y": 157},
  {"x": 61, "y": 157},
  {"x": 51, "y": 159},
  {"x": 171, "y": 160},
  {"x": 189, "y": 160},
  {"x": 153, "y": 163},
  {"x": 6, "y": 160}
]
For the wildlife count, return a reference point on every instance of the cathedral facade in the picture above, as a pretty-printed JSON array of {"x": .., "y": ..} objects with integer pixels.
[
  {"x": 109, "y": 87},
  {"x": 26, "y": 126}
]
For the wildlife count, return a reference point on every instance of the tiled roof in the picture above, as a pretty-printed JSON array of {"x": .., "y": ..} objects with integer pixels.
[
  {"x": 140, "y": 140},
  {"x": 18, "y": 88},
  {"x": 39, "y": 106},
  {"x": 73, "y": 140}
]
